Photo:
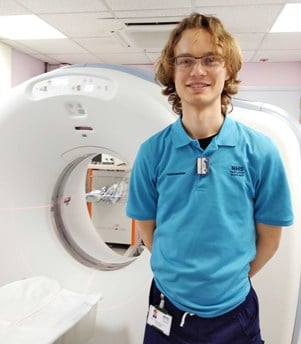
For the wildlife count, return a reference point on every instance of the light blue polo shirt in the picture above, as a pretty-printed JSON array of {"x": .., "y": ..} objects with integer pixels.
[{"x": 205, "y": 223}]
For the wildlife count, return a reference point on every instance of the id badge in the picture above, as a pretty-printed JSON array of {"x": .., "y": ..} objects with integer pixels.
[{"x": 159, "y": 319}]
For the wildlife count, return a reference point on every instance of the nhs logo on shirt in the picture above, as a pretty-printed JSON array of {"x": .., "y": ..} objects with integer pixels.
[{"x": 237, "y": 171}]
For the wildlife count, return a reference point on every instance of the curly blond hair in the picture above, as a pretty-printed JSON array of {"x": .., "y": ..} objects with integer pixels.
[{"x": 223, "y": 41}]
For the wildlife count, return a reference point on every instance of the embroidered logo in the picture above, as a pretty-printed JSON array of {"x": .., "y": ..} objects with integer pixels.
[{"x": 237, "y": 171}]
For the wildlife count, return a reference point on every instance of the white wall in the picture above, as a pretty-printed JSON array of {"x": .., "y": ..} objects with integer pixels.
[
  {"x": 277, "y": 83},
  {"x": 288, "y": 98},
  {"x": 5, "y": 68},
  {"x": 24, "y": 67},
  {"x": 16, "y": 67}
]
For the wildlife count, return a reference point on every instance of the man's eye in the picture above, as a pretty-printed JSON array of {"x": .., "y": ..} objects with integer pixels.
[
  {"x": 210, "y": 60},
  {"x": 186, "y": 61}
]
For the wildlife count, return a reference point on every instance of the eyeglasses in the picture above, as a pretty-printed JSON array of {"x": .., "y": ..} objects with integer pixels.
[{"x": 207, "y": 61}]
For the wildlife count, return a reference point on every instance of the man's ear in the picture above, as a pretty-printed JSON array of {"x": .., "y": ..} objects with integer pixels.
[{"x": 228, "y": 76}]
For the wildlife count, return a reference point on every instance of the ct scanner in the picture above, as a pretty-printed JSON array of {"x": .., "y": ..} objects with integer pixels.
[{"x": 50, "y": 128}]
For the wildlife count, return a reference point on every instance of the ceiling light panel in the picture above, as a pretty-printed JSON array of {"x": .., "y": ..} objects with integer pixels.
[
  {"x": 23, "y": 27},
  {"x": 289, "y": 19}
]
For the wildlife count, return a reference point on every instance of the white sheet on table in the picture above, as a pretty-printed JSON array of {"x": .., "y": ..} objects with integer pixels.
[{"x": 37, "y": 310}]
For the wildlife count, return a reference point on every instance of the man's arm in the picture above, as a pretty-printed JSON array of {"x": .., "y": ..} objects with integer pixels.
[
  {"x": 146, "y": 231},
  {"x": 267, "y": 243}
]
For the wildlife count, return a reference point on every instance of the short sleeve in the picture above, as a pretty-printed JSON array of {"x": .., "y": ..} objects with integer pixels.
[
  {"x": 142, "y": 194},
  {"x": 272, "y": 198}
]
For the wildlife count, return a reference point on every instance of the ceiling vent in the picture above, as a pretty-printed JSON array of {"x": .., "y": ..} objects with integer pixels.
[
  {"x": 151, "y": 36},
  {"x": 151, "y": 24}
]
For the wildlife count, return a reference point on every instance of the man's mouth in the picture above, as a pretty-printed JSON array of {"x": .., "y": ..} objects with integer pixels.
[{"x": 198, "y": 85}]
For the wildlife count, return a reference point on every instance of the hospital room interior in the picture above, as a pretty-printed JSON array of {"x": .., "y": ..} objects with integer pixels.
[{"x": 77, "y": 98}]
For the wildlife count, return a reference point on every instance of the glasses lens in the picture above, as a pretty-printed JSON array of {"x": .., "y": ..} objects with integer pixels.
[
  {"x": 185, "y": 61},
  {"x": 211, "y": 60}
]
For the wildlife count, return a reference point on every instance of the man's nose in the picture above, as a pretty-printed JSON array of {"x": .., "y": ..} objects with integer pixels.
[{"x": 198, "y": 67}]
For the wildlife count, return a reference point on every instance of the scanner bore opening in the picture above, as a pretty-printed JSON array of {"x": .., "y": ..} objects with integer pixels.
[{"x": 73, "y": 221}]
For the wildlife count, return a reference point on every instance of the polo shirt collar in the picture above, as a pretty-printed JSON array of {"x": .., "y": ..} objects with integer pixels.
[
  {"x": 179, "y": 135},
  {"x": 227, "y": 136}
]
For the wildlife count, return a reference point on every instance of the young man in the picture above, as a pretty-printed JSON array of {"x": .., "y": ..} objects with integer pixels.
[{"x": 203, "y": 193}]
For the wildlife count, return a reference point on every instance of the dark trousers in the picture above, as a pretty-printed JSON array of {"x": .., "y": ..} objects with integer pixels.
[{"x": 239, "y": 326}]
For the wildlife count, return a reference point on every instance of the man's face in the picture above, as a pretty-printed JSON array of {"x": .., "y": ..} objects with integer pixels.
[{"x": 199, "y": 82}]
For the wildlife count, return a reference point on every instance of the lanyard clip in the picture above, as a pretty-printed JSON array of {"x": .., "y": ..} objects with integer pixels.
[
  {"x": 162, "y": 301},
  {"x": 202, "y": 165}
]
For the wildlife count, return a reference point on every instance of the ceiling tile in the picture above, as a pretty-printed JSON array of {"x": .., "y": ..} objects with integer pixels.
[
  {"x": 76, "y": 58},
  {"x": 201, "y": 3},
  {"x": 97, "y": 27},
  {"x": 121, "y": 5},
  {"x": 171, "y": 14},
  {"x": 105, "y": 45},
  {"x": 287, "y": 40},
  {"x": 53, "y": 46},
  {"x": 19, "y": 46},
  {"x": 249, "y": 41},
  {"x": 8, "y": 8},
  {"x": 153, "y": 56},
  {"x": 146, "y": 40},
  {"x": 46, "y": 58},
  {"x": 278, "y": 55},
  {"x": 135, "y": 58},
  {"x": 63, "y": 6},
  {"x": 247, "y": 55},
  {"x": 83, "y": 24},
  {"x": 249, "y": 18}
]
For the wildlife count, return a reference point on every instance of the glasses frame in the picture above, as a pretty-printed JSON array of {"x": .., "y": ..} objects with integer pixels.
[{"x": 188, "y": 62}]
